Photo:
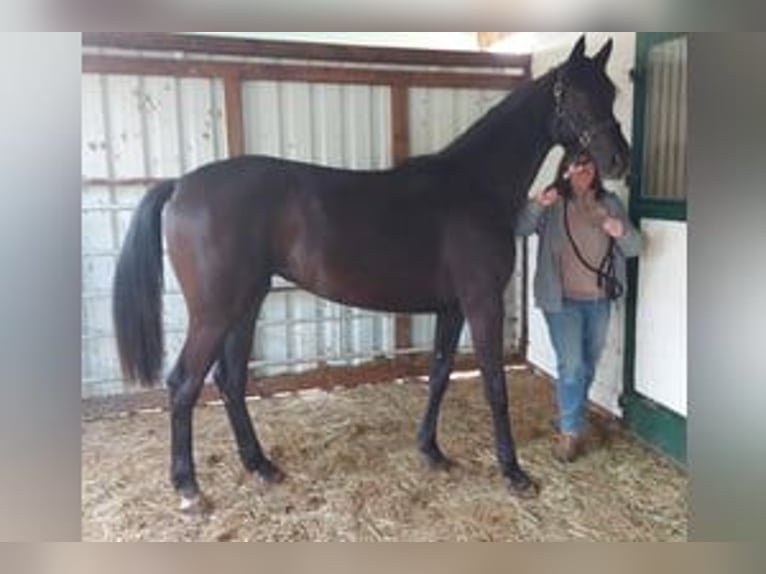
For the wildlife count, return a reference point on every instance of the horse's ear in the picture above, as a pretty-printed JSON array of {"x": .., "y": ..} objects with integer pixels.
[
  {"x": 602, "y": 57},
  {"x": 578, "y": 51}
]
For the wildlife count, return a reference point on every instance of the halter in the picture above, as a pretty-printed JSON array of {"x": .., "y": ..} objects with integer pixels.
[
  {"x": 585, "y": 135},
  {"x": 606, "y": 272}
]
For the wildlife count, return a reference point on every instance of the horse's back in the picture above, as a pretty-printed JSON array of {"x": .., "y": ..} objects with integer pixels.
[{"x": 367, "y": 238}]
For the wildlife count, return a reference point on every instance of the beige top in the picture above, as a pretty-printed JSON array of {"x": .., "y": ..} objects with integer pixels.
[{"x": 585, "y": 220}]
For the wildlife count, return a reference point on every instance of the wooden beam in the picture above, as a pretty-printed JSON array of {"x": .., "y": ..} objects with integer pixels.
[
  {"x": 235, "y": 136},
  {"x": 400, "y": 123},
  {"x": 139, "y": 66},
  {"x": 400, "y": 136},
  {"x": 487, "y": 39},
  {"x": 302, "y": 50},
  {"x": 128, "y": 181},
  {"x": 379, "y": 371}
]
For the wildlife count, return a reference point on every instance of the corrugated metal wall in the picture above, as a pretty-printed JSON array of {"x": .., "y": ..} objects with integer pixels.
[{"x": 136, "y": 127}]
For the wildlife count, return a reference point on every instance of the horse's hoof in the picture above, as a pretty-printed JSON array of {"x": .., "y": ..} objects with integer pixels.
[
  {"x": 523, "y": 487},
  {"x": 270, "y": 473},
  {"x": 196, "y": 505},
  {"x": 437, "y": 461}
]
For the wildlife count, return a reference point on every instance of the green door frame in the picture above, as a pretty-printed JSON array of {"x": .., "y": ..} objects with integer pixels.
[{"x": 659, "y": 426}]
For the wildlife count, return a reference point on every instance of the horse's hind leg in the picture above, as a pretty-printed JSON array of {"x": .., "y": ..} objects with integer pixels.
[
  {"x": 231, "y": 378},
  {"x": 203, "y": 341},
  {"x": 448, "y": 326}
]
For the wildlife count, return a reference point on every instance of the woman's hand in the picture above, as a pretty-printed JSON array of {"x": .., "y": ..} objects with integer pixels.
[
  {"x": 613, "y": 227},
  {"x": 548, "y": 196}
]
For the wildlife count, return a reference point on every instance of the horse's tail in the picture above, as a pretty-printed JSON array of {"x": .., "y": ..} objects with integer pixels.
[{"x": 137, "y": 297}]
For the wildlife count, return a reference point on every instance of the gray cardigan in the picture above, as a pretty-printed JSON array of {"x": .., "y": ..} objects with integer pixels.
[{"x": 548, "y": 222}]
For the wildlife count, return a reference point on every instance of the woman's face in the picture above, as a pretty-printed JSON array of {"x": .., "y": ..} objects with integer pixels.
[{"x": 582, "y": 175}]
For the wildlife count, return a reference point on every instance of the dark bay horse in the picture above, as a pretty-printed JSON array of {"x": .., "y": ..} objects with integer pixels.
[{"x": 435, "y": 234}]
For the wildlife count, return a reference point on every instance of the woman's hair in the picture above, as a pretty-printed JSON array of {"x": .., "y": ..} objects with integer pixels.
[{"x": 563, "y": 184}]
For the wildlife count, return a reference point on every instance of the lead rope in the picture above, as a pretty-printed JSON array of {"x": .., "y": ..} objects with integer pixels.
[{"x": 606, "y": 272}]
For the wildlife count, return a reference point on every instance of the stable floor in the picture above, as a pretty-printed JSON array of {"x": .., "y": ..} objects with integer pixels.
[{"x": 355, "y": 475}]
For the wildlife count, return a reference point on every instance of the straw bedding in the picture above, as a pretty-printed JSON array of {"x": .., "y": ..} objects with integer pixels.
[{"x": 355, "y": 475}]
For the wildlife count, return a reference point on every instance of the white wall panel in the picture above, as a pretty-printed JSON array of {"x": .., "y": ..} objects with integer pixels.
[
  {"x": 202, "y": 129},
  {"x": 661, "y": 315},
  {"x": 160, "y": 118},
  {"x": 94, "y": 145}
]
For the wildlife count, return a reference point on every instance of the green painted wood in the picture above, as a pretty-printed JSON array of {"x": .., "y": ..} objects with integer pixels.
[{"x": 657, "y": 425}]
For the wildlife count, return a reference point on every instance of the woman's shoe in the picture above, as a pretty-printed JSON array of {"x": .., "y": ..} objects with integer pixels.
[{"x": 568, "y": 447}]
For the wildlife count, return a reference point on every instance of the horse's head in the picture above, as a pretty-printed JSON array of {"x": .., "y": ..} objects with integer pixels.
[{"x": 583, "y": 117}]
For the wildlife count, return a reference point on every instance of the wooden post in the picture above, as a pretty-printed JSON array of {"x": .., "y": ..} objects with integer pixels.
[
  {"x": 400, "y": 135},
  {"x": 235, "y": 137}
]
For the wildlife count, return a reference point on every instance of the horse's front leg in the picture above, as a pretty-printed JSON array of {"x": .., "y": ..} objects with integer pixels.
[{"x": 485, "y": 314}]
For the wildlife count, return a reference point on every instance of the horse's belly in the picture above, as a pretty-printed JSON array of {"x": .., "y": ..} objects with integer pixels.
[
  {"x": 391, "y": 286},
  {"x": 384, "y": 295},
  {"x": 365, "y": 263}
]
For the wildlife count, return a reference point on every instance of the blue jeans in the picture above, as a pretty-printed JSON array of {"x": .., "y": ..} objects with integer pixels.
[{"x": 578, "y": 333}]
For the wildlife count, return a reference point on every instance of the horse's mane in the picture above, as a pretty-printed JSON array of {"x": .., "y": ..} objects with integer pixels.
[{"x": 504, "y": 110}]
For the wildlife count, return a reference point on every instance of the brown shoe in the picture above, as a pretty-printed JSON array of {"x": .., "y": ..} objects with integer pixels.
[{"x": 568, "y": 447}]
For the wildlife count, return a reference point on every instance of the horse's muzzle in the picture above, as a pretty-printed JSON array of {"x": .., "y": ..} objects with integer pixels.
[{"x": 618, "y": 166}]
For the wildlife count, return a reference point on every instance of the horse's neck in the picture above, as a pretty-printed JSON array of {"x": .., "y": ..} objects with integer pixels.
[{"x": 507, "y": 146}]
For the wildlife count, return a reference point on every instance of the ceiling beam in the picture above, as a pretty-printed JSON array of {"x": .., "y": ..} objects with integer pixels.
[{"x": 487, "y": 39}]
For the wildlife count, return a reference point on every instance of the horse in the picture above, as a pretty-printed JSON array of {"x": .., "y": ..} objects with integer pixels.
[{"x": 434, "y": 234}]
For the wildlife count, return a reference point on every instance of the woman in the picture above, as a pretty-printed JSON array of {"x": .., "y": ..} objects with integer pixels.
[{"x": 585, "y": 237}]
